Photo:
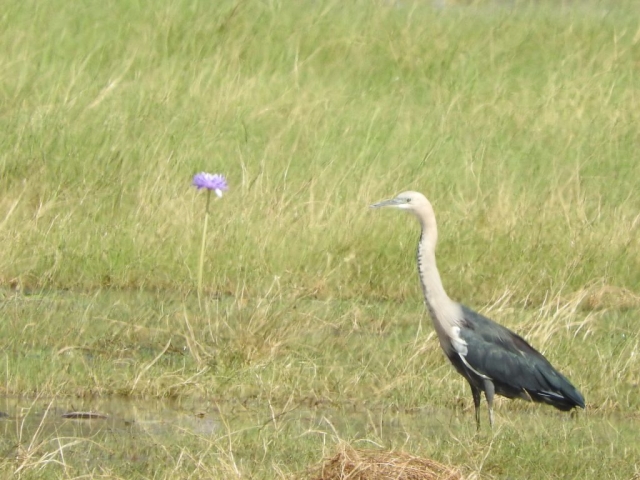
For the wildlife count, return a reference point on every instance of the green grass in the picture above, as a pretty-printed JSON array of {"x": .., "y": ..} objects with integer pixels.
[
  {"x": 518, "y": 122},
  {"x": 286, "y": 382}
]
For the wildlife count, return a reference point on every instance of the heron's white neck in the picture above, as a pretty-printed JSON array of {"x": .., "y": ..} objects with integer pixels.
[{"x": 444, "y": 312}]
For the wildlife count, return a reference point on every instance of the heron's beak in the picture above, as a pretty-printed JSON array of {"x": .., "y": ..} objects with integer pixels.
[{"x": 394, "y": 202}]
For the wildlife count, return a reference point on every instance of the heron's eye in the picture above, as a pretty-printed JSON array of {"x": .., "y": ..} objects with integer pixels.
[{"x": 408, "y": 200}]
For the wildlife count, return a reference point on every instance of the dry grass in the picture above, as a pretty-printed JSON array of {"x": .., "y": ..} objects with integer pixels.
[
  {"x": 607, "y": 296},
  {"x": 360, "y": 464}
]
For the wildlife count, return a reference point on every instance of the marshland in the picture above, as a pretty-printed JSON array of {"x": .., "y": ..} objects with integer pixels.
[{"x": 518, "y": 120}]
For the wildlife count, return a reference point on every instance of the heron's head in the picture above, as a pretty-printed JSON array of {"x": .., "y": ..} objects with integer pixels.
[
  {"x": 419, "y": 206},
  {"x": 412, "y": 201}
]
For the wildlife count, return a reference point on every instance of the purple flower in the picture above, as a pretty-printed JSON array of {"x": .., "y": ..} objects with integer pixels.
[{"x": 210, "y": 181}]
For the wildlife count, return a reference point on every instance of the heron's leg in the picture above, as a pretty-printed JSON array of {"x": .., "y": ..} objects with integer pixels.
[
  {"x": 476, "y": 403},
  {"x": 489, "y": 390}
]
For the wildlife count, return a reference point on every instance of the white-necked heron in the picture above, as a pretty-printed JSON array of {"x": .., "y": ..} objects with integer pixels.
[{"x": 491, "y": 357}]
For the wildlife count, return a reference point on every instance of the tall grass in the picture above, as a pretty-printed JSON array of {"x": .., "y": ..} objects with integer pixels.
[{"x": 518, "y": 120}]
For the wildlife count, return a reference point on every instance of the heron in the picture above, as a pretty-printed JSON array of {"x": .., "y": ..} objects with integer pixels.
[{"x": 492, "y": 358}]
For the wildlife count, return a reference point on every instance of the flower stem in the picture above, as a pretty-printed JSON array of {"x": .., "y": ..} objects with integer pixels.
[{"x": 204, "y": 241}]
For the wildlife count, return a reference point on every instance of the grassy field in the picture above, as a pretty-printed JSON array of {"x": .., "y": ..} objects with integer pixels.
[{"x": 518, "y": 120}]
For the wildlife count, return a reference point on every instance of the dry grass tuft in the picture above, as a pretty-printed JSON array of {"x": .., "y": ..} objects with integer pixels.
[
  {"x": 608, "y": 296},
  {"x": 355, "y": 464}
]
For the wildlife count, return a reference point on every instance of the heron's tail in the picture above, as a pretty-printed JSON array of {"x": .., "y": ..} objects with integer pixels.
[{"x": 558, "y": 391}]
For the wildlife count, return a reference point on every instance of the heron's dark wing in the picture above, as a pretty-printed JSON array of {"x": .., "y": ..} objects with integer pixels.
[{"x": 515, "y": 367}]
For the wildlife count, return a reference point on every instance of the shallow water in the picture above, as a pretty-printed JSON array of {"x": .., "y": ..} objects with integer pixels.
[
  {"x": 126, "y": 416},
  {"x": 85, "y": 417},
  {"x": 151, "y": 437}
]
